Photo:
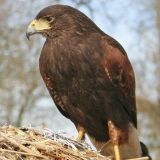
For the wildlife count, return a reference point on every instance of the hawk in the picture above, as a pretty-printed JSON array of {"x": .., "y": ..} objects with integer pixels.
[{"x": 90, "y": 79}]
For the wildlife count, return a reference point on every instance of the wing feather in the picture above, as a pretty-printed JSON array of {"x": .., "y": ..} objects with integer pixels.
[{"x": 121, "y": 75}]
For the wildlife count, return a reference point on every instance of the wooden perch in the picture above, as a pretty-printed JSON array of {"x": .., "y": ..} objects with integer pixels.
[{"x": 34, "y": 144}]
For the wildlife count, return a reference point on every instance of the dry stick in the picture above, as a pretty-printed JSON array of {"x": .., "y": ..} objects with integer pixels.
[
  {"x": 3, "y": 158},
  {"x": 141, "y": 158},
  {"x": 17, "y": 144},
  {"x": 51, "y": 155},
  {"x": 23, "y": 153},
  {"x": 43, "y": 146}
]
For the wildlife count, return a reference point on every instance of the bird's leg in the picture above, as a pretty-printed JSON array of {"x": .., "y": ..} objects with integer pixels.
[
  {"x": 81, "y": 133},
  {"x": 114, "y": 136}
]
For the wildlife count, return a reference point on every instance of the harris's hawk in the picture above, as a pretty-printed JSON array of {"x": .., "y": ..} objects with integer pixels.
[{"x": 90, "y": 79}]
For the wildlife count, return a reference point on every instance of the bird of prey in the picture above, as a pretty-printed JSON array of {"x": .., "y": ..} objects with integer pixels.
[{"x": 90, "y": 79}]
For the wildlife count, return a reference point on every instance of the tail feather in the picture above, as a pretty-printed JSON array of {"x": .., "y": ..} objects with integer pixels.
[{"x": 145, "y": 151}]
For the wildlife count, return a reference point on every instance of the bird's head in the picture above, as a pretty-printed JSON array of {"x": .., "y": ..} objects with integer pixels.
[{"x": 57, "y": 19}]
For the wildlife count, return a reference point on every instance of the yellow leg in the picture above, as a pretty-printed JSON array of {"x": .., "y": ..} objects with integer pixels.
[
  {"x": 81, "y": 133},
  {"x": 117, "y": 152},
  {"x": 113, "y": 133}
]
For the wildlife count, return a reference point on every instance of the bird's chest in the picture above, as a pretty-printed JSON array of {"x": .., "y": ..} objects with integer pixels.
[{"x": 67, "y": 74}]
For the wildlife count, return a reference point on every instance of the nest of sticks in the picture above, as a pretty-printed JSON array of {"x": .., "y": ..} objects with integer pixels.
[{"x": 34, "y": 144}]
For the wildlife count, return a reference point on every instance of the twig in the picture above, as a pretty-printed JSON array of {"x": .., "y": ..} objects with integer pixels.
[
  {"x": 141, "y": 158},
  {"x": 23, "y": 153},
  {"x": 16, "y": 143},
  {"x": 3, "y": 158}
]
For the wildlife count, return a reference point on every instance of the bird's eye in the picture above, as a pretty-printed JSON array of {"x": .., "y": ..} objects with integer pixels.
[{"x": 49, "y": 19}]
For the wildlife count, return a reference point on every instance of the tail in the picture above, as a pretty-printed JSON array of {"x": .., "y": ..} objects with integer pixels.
[{"x": 145, "y": 151}]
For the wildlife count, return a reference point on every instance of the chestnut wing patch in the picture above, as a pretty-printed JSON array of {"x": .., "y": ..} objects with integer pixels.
[{"x": 120, "y": 73}]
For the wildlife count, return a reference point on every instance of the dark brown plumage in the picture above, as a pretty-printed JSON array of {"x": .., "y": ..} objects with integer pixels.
[{"x": 88, "y": 75}]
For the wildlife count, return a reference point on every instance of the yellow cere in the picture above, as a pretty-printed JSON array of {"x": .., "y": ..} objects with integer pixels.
[{"x": 40, "y": 24}]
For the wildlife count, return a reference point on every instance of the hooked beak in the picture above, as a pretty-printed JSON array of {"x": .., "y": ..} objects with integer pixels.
[
  {"x": 30, "y": 31},
  {"x": 37, "y": 26}
]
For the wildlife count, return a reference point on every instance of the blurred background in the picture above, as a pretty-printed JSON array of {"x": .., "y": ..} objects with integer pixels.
[{"x": 24, "y": 99}]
